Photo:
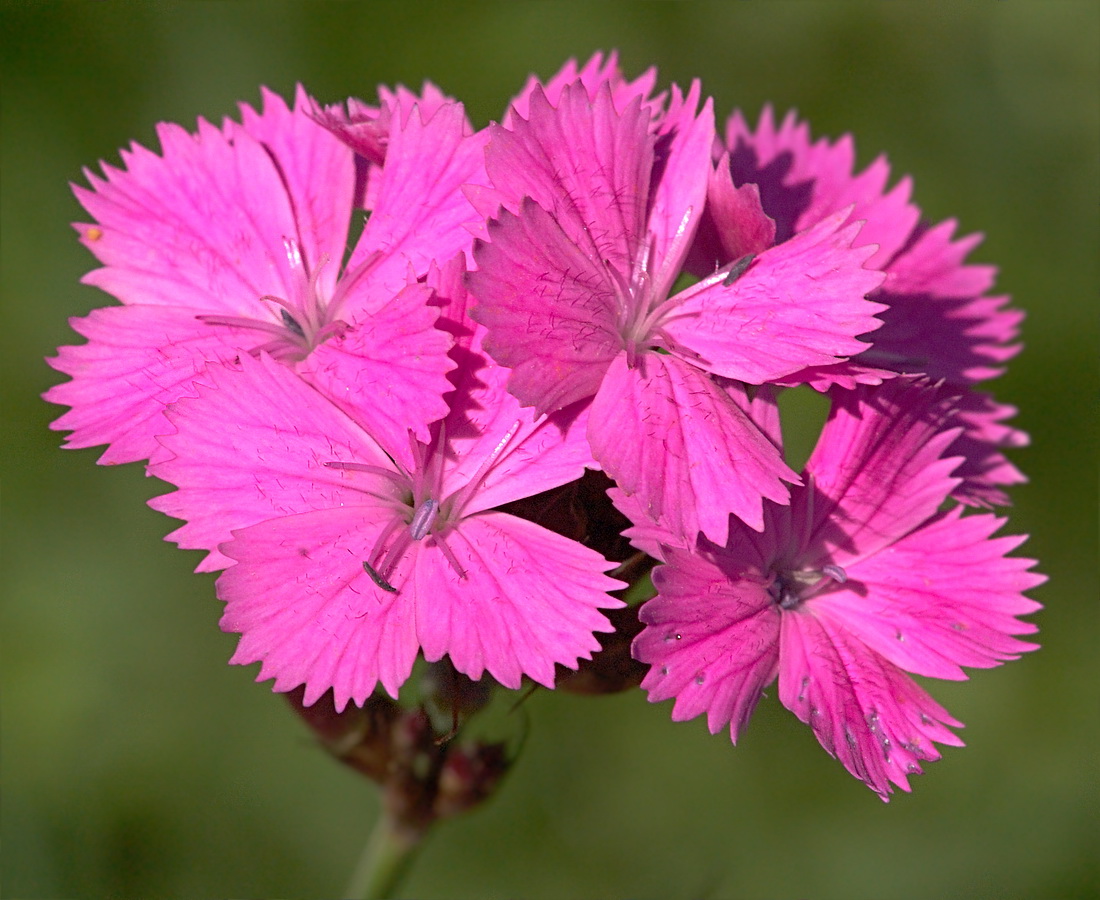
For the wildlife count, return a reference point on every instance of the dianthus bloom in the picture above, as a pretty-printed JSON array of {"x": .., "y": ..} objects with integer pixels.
[
  {"x": 345, "y": 562},
  {"x": 774, "y": 182},
  {"x": 859, "y": 581},
  {"x": 602, "y": 192},
  {"x": 233, "y": 240},
  {"x": 355, "y": 441}
]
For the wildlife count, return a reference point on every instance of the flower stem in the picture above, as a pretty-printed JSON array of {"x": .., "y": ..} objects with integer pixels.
[{"x": 385, "y": 861}]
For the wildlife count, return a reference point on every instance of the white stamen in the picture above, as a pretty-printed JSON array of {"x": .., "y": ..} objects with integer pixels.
[{"x": 423, "y": 519}]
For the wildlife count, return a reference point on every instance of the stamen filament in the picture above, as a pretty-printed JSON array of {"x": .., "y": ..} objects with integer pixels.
[{"x": 462, "y": 496}]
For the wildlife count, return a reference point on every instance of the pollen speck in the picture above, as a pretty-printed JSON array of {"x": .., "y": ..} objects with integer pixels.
[{"x": 94, "y": 233}]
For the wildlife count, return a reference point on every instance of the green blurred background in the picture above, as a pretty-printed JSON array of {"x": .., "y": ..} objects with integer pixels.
[{"x": 136, "y": 763}]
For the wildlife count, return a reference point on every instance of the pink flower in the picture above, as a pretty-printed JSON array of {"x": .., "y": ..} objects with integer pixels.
[
  {"x": 774, "y": 182},
  {"x": 232, "y": 241},
  {"x": 859, "y": 581},
  {"x": 345, "y": 562},
  {"x": 601, "y": 197}
]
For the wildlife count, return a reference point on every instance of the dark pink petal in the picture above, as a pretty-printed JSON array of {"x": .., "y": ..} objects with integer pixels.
[
  {"x": 549, "y": 308},
  {"x": 734, "y": 224},
  {"x": 362, "y": 127},
  {"x": 308, "y": 611},
  {"x": 681, "y": 169},
  {"x": 985, "y": 470},
  {"x": 712, "y": 639},
  {"x": 366, "y": 128},
  {"x": 667, "y": 433},
  {"x": 421, "y": 213},
  {"x": 138, "y": 359},
  {"x": 592, "y": 75},
  {"x": 798, "y": 304},
  {"x": 803, "y": 182},
  {"x": 388, "y": 370},
  {"x": 253, "y": 446},
  {"x": 878, "y": 470},
  {"x": 529, "y": 599},
  {"x": 943, "y": 597},
  {"x": 863, "y": 710},
  {"x": 318, "y": 174},
  {"x": 938, "y": 321},
  {"x": 586, "y": 164},
  {"x": 200, "y": 226}
]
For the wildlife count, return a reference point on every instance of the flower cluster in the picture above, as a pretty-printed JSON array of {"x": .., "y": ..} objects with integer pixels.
[{"x": 427, "y": 390}]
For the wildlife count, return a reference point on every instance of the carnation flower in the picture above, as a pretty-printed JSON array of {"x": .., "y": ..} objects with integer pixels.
[
  {"x": 861, "y": 580},
  {"x": 233, "y": 241},
  {"x": 774, "y": 182},
  {"x": 345, "y": 562},
  {"x": 601, "y": 197}
]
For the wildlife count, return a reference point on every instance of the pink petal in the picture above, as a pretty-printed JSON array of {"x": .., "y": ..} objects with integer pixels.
[
  {"x": 734, "y": 224},
  {"x": 252, "y": 446},
  {"x": 318, "y": 174},
  {"x": 847, "y": 375},
  {"x": 877, "y": 470},
  {"x": 308, "y": 611},
  {"x": 548, "y": 306},
  {"x": 665, "y": 432},
  {"x": 529, "y": 599},
  {"x": 421, "y": 212},
  {"x": 798, "y": 304},
  {"x": 864, "y": 711},
  {"x": 943, "y": 597},
  {"x": 681, "y": 170},
  {"x": 592, "y": 76},
  {"x": 653, "y": 537},
  {"x": 712, "y": 639},
  {"x": 525, "y": 453},
  {"x": 138, "y": 359},
  {"x": 201, "y": 226},
  {"x": 586, "y": 164},
  {"x": 389, "y": 369}
]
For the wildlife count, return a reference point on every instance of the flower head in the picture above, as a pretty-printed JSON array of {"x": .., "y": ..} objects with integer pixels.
[
  {"x": 858, "y": 582},
  {"x": 774, "y": 181},
  {"x": 601, "y": 198},
  {"x": 233, "y": 241},
  {"x": 345, "y": 562}
]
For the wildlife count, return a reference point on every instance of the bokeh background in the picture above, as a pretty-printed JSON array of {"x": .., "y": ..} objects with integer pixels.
[{"x": 136, "y": 763}]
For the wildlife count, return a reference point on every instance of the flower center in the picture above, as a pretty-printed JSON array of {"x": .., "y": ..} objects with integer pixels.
[
  {"x": 790, "y": 589},
  {"x": 305, "y": 319}
]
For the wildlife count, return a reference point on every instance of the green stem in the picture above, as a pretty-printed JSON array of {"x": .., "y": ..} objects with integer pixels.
[{"x": 385, "y": 860}]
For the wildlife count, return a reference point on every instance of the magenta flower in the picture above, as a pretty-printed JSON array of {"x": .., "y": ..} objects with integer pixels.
[
  {"x": 600, "y": 205},
  {"x": 348, "y": 562},
  {"x": 774, "y": 182},
  {"x": 232, "y": 240},
  {"x": 859, "y": 581}
]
